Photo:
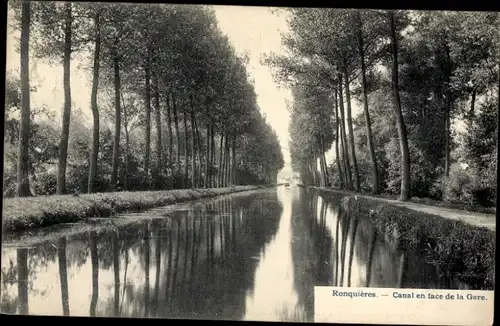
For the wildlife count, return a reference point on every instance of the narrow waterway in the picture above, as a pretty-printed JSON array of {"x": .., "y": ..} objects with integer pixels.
[{"x": 254, "y": 256}]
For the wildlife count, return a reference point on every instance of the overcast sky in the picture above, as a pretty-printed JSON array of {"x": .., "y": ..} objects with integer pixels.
[{"x": 256, "y": 31}]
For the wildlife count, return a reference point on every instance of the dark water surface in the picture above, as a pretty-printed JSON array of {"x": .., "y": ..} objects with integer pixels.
[{"x": 254, "y": 256}]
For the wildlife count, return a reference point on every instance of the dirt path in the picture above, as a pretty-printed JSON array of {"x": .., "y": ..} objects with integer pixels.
[{"x": 473, "y": 218}]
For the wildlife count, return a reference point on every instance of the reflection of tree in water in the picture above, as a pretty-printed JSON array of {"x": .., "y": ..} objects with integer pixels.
[
  {"x": 77, "y": 249},
  {"x": 209, "y": 250},
  {"x": 323, "y": 244},
  {"x": 311, "y": 247},
  {"x": 204, "y": 257},
  {"x": 194, "y": 262},
  {"x": 223, "y": 273},
  {"x": 95, "y": 272},
  {"x": 18, "y": 273},
  {"x": 22, "y": 281},
  {"x": 38, "y": 258},
  {"x": 63, "y": 274},
  {"x": 382, "y": 263}
]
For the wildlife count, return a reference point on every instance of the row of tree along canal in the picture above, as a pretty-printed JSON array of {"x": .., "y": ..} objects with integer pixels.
[
  {"x": 414, "y": 74},
  {"x": 171, "y": 101}
]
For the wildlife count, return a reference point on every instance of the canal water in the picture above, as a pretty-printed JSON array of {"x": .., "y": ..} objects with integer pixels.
[{"x": 251, "y": 256}]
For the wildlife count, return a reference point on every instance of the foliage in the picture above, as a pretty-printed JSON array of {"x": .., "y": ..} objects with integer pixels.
[
  {"x": 448, "y": 71},
  {"x": 159, "y": 53}
]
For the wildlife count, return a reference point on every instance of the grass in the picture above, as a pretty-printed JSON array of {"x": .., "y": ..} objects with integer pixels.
[
  {"x": 33, "y": 212},
  {"x": 467, "y": 251}
]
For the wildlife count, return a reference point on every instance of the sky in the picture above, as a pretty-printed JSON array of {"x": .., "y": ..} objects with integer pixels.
[
  {"x": 257, "y": 31},
  {"x": 252, "y": 30}
]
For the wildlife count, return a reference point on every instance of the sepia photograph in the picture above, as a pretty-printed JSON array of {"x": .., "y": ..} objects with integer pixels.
[{"x": 219, "y": 162}]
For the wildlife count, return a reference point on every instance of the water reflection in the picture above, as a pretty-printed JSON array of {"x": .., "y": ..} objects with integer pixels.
[
  {"x": 361, "y": 257},
  {"x": 251, "y": 256},
  {"x": 199, "y": 263},
  {"x": 274, "y": 297}
]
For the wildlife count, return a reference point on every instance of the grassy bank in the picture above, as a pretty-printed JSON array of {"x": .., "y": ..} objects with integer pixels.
[
  {"x": 466, "y": 251},
  {"x": 34, "y": 212}
]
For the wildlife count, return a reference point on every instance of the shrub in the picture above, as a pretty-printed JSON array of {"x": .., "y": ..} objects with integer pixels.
[{"x": 46, "y": 184}]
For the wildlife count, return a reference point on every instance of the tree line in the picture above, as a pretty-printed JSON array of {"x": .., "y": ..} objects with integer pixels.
[
  {"x": 172, "y": 103},
  {"x": 427, "y": 84}
]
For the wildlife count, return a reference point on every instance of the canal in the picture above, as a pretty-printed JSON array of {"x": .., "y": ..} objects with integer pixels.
[{"x": 250, "y": 256}]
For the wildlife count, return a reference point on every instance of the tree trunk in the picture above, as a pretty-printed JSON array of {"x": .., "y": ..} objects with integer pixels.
[
  {"x": 472, "y": 103},
  {"x": 357, "y": 184},
  {"x": 23, "y": 184},
  {"x": 219, "y": 168},
  {"x": 193, "y": 153},
  {"x": 199, "y": 169},
  {"x": 403, "y": 141},
  {"x": 170, "y": 134},
  {"x": 159, "y": 144},
  {"x": 449, "y": 104},
  {"x": 147, "y": 100},
  {"x": 337, "y": 138},
  {"x": 223, "y": 162},
  {"x": 347, "y": 163},
  {"x": 327, "y": 174},
  {"x": 178, "y": 138},
  {"x": 228, "y": 164},
  {"x": 212, "y": 157},
  {"x": 321, "y": 167},
  {"x": 186, "y": 146},
  {"x": 63, "y": 145},
  {"x": 208, "y": 156},
  {"x": 233, "y": 165},
  {"x": 447, "y": 140},
  {"x": 369, "y": 135},
  {"x": 95, "y": 110},
  {"x": 127, "y": 139},
  {"x": 323, "y": 159},
  {"x": 116, "y": 143}
]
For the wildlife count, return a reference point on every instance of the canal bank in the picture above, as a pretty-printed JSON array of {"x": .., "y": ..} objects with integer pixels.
[
  {"x": 34, "y": 212},
  {"x": 465, "y": 249}
]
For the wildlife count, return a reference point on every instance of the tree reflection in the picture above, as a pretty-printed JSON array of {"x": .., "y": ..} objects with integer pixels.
[
  {"x": 403, "y": 263},
  {"x": 124, "y": 279},
  {"x": 22, "y": 282},
  {"x": 345, "y": 231},
  {"x": 95, "y": 272},
  {"x": 176, "y": 260},
  {"x": 146, "y": 268},
  {"x": 169, "y": 265},
  {"x": 353, "y": 245},
  {"x": 337, "y": 255},
  {"x": 157, "y": 269},
  {"x": 63, "y": 274},
  {"x": 116, "y": 270},
  {"x": 186, "y": 250},
  {"x": 370, "y": 258}
]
